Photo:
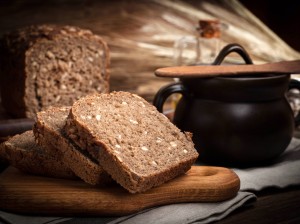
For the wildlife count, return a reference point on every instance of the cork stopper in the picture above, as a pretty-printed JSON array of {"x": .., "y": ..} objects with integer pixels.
[{"x": 209, "y": 28}]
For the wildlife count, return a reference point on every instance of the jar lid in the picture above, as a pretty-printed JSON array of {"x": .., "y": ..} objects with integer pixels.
[{"x": 209, "y": 28}]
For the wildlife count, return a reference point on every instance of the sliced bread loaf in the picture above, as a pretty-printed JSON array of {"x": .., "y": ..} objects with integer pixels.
[
  {"x": 22, "y": 152},
  {"x": 138, "y": 146},
  {"x": 50, "y": 65},
  {"x": 49, "y": 134}
]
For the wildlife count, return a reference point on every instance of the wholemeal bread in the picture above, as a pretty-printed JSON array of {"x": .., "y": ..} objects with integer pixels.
[
  {"x": 22, "y": 152},
  {"x": 49, "y": 134},
  {"x": 50, "y": 65},
  {"x": 138, "y": 146}
]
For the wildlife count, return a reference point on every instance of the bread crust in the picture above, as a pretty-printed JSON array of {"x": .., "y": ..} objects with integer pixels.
[
  {"x": 49, "y": 134},
  {"x": 22, "y": 152}
]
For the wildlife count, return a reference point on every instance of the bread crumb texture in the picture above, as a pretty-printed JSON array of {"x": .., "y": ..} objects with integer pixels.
[
  {"x": 53, "y": 66},
  {"x": 138, "y": 146}
]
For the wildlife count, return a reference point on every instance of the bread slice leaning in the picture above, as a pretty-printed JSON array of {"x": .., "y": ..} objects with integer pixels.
[
  {"x": 138, "y": 146},
  {"x": 49, "y": 134},
  {"x": 22, "y": 152}
]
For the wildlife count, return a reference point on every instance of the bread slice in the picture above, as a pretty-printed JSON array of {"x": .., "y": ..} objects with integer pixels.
[
  {"x": 22, "y": 152},
  {"x": 138, "y": 146},
  {"x": 48, "y": 130},
  {"x": 50, "y": 65}
]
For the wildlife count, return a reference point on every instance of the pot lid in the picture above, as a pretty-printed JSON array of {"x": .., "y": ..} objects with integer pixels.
[{"x": 283, "y": 67}]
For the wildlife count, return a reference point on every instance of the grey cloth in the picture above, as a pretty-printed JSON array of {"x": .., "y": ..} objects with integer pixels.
[
  {"x": 189, "y": 212},
  {"x": 283, "y": 173},
  {"x": 22, "y": 219},
  {"x": 175, "y": 213}
]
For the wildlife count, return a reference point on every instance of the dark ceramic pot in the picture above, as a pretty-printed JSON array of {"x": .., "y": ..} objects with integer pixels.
[{"x": 235, "y": 121}]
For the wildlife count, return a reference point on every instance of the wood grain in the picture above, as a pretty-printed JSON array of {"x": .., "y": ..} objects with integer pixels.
[
  {"x": 15, "y": 126},
  {"x": 27, "y": 194},
  {"x": 272, "y": 206},
  {"x": 283, "y": 67}
]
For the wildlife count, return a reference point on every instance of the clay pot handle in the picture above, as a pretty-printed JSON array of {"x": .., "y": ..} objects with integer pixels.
[
  {"x": 232, "y": 48},
  {"x": 162, "y": 95}
]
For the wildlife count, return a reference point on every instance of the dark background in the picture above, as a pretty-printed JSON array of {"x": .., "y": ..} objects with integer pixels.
[{"x": 283, "y": 17}]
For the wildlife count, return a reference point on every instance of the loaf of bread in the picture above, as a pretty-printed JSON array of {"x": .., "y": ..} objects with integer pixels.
[
  {"x": 138, "y": 146},
  {"x": 22, "y": 152},
  {"x": 49, "y": 65},
  {"x": 48, "y": 131}
]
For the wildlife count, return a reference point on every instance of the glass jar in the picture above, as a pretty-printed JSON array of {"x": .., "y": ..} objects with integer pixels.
[{"x": 201, "y": 48}]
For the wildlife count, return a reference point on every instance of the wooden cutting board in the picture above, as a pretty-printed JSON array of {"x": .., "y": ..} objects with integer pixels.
[{"x": 28, "y": 194}]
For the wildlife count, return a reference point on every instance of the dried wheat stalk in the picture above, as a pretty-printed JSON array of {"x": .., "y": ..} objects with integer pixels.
[{"x": 141, "y": 34}]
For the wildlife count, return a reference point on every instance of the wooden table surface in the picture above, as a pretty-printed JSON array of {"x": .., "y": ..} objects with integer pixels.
[{"x": 272, "y": 206}]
